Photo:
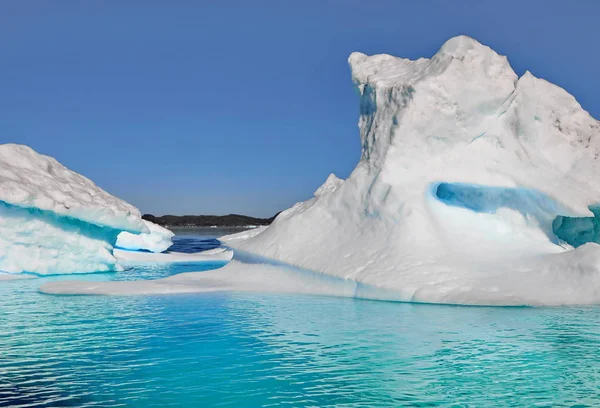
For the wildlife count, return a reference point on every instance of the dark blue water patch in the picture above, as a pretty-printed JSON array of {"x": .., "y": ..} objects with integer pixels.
[
  {"x": 191, "y": 245},
  {"x": 188, "y": 245}
]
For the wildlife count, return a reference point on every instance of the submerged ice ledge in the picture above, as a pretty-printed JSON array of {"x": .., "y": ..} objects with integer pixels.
[
  {"x": 571, "y": 280},
  {"x": 246, "y": 272}
]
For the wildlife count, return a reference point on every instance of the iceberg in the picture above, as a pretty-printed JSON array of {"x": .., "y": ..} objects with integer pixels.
[
  {"x": 158, "y": 239},
  {"x": 53, "y": 220},
  {"x": 474, "y": 186}
]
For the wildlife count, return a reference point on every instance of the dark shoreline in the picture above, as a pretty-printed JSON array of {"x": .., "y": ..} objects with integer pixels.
[{"x": 208, "y": 221}]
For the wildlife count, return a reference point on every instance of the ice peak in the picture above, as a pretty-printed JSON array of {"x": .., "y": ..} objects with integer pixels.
[
  {"x": 331, "y": 184},
  {"x": 461, "y": 54},
  {"x": 460, "y": 45}
]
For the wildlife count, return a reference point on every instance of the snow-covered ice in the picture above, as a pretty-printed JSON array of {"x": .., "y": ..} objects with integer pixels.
[
  {"x": 474, "y": 186},
  {"x": 31, "y": 180},
  {"x": 158, "y": 239},
  {"x": 242, "y": 236},
  {"x": 53, "y": 220}
]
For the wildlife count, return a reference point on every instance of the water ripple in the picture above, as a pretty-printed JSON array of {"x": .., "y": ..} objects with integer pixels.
[{"x": 273, "y": 350}]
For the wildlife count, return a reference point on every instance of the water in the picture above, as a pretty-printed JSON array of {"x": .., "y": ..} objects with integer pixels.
[{"x": 241, "y": 349}]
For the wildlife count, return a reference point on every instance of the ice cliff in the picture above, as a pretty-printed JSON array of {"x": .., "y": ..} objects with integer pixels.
[
  {"x": 53, "y": 220},
  {"x": 474, "y": 186}
]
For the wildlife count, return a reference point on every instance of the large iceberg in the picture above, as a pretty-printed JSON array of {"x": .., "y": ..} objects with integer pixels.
[
  {"x": 157, "y": 239},
  {"x": 53, "y": 220},
  {"x": 474, "y": 186}
]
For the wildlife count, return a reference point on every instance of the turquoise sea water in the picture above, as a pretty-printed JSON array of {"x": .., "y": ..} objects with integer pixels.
[{"x": 248, "y": 350}]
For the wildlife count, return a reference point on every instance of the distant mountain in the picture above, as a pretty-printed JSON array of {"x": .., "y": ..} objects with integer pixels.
[{"x": 231, "y": 220}]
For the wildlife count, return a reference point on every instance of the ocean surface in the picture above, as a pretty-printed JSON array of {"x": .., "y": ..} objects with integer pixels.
[{"x": 251, "y": 350}]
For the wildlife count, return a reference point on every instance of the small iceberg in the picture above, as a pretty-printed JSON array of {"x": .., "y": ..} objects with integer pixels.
[
  {"x": 157, "y": 239},
  {"x": 55, "y": 221}
]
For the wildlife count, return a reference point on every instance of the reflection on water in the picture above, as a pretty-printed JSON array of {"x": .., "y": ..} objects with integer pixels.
[{"x": 241, "y": 349}]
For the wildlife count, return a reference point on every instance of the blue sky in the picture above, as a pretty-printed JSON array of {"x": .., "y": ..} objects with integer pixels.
[{"x": 189, "y": 107}]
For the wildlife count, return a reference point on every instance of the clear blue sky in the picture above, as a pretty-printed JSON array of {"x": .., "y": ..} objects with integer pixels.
[{"x": 241, "y": 106}]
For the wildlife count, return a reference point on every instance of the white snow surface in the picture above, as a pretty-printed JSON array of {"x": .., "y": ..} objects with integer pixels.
[
  {"x": 159, "y": 239},
  {"x": 242, "y": 236},
  {"x": 462, "y": 117},
  {"x": 53, "y": 220},
  {"x": 330, "y": 185},
  {"x": 31, "y": 180}
]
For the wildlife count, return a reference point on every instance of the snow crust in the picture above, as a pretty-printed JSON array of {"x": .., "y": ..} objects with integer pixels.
[
  {"x": 53, "y": 220},
  {"x": 522, "y": 148},
  {"x": 158, "y": 239}
]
